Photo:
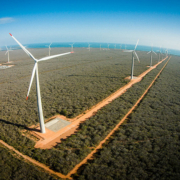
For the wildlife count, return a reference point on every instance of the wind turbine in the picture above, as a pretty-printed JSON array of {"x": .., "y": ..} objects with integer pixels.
[
  {"x": 108, "y": 46},
  {"x": 133, "y": 53},
  {"x": 7, "y": 52},
  {"x": 115, "y": 46},
  {"x": 151, "y": 55},
  {"x": 35, "y": 70},
  {"x": 166, "y": 52},
  {"x": 120, "y": 46},
  {"x": 89, "y": 47},
  {"x": 159, "y": 51},
  {"x": 71, "y": 47},
  {"x": 49, "y": 48},
  {"x": 100, "y": 47}
]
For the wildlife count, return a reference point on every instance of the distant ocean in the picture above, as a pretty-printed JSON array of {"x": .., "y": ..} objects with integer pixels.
[{"x": 97, "y": 45}]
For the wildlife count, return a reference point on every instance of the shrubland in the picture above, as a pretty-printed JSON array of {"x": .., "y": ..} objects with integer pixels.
[
  {"x": 147, "y": 145},
  {"x": 13, "y": 167},
  {"x": 72, "y": 82}
]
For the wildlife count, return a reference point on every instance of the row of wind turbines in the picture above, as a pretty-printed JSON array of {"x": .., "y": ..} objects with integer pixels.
[
  {"x": 35, "y": 73},
  {"x": 49, "y": 47}
]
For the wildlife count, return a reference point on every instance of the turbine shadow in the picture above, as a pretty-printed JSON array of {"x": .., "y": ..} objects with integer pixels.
[{"x": 19, "y": 125}]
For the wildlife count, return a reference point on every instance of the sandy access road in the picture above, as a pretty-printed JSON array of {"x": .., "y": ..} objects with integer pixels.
[
  {"x": 90, "y": 156},
  {"x": 50, "y": 138},
  {"x": 46, "y": 168}
]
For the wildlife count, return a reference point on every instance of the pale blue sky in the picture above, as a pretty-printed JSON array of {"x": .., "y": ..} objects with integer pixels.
[{"x": 156, "y": 22}]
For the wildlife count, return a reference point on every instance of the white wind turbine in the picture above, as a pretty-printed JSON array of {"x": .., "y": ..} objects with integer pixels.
[
  {"x": 100, "y": 47},
  {"x": 159, "y": 51},
  {"x": 35, "y": 70},
  {"x": 108, "y": 46},
  {"x": 49, "y": 48},
  {"x": 89, "y": 47},
  {"x": 7, "y": 52},
  {"x": 151, "y": 55},
  {"x": 133, "y": 53},
  {"x": 71, "y": 47},
  {"x": 166, "y": 52},
  {"x": 115, "y": 46}
]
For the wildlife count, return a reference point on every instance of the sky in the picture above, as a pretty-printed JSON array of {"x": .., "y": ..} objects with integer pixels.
[{"x": 152, "y": 22}]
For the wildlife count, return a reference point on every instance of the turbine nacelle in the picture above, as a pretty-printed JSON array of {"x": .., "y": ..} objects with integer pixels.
[{"x": 133, "y": 51}]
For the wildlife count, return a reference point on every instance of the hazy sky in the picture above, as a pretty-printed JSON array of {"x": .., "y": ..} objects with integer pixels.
[{"x": 150, "y": 21}]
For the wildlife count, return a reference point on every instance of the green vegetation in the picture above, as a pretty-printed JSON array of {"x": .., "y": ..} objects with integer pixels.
[
  {"x": 15, "y": 168},
  {"x": 82, "y": 85},
  {"x": 146, "y": 146},
  {"x": 70, "y": 84}
]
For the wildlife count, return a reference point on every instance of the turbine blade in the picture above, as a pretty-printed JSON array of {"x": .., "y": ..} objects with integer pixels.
[
  {"x": 54, "y": 56},
  {"x": 25, "y": 50},
  {"x": 6, "y": 52},
  {"x": 136, "y": 44},
  {"x": 149, "y": 52},
  {"x": 128, "y": 50},
  {"x": 136, "y": 56},
  {"x": 32, "y": 77},
  {"x": 6, "y": 47},
  {"x": 154, "y": 52}
]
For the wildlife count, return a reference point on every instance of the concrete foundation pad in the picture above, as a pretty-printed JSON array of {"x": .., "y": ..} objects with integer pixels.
[
  {"x": 129, "y": 77},
  {"x": 54, "y": 129},
  {"x": 5, "y": 66},
  {"x": 56, "y": 124}
]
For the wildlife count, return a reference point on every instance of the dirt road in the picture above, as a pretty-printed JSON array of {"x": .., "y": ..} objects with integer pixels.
[
  {"x": 46, "y": 168},
  {"x": 90, "y": 156}
]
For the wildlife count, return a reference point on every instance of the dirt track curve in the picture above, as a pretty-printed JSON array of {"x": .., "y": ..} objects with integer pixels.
[{"x": 43, "y": 166}]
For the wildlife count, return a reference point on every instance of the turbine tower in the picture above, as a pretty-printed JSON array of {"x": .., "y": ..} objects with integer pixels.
[
  {"x": 49, "y": 48},
  {"x": 133, "y": 53},
  {"x": 115, "y": 46},
  {"x": 166, "y": 52},
  {"x": 71, "y": 47},
  {"x": 120, "y": 46},
  {"x": 159, "y": 51},
  {"x": 100, "y": 47},
  {"x": 89, "y": 47},
  {"x": 151, "y": 55},
  {"x": 108, "y": 46},
  {"x": 35, "y": 70},
  {"x": 7, "y": 52}
]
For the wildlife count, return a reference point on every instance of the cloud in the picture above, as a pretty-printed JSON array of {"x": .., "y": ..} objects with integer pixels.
[{"x": 6, "y": 20}]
